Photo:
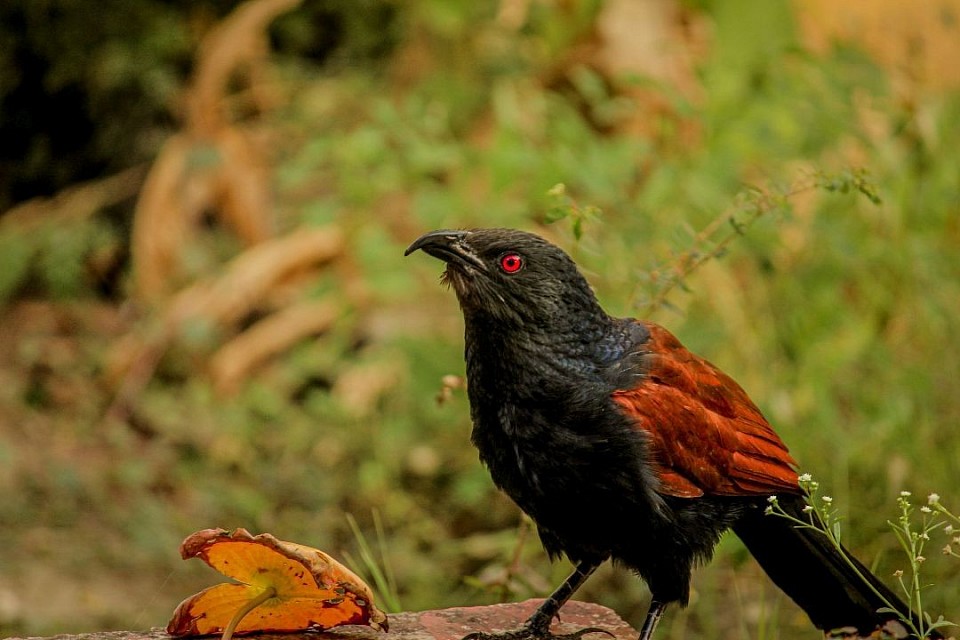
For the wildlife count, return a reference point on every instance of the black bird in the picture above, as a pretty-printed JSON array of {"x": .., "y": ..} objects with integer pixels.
[{"x": 623, "y": 445}]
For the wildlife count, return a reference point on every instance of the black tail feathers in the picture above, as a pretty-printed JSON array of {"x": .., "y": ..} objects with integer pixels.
[{"x": 806, "y": 566}]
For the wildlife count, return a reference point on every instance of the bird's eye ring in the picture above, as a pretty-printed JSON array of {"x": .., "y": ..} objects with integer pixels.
[{"x": 511, "y": 262}]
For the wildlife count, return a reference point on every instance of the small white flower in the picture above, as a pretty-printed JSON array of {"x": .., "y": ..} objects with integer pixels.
[
  {"x": 921, "y": 559},
  {"x": 948, "y": 529},
  {"x": 905, "y": 494},
  {"x": 772, "y": 499},
  {"x": 827, "y": 499},
  {"x": 805, "y": 477},
  {"x": 898, "y": 573},
  {"x": 807, "y": 509},
  {"x": 926, "y": 509},
  {"x": 947, "y": 550},
  {"x": 933, "y": 498}
]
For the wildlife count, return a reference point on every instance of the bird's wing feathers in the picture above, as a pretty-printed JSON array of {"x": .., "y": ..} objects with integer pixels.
[{"x": 706, "y": 434}]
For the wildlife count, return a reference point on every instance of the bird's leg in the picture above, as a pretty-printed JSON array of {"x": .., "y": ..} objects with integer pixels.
[
  {"x": 537, "y": 627},
  {"x": 539, "y": 622},
  {"x": 653, "y": 617}
]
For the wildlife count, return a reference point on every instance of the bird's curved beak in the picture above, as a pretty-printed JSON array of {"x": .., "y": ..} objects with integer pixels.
[{"x": 449, "y": 245}]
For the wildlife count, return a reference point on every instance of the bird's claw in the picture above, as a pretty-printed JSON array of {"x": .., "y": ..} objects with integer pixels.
[
  {"x": 576, "y": 635},
  {"x": 527, "y": 632}
]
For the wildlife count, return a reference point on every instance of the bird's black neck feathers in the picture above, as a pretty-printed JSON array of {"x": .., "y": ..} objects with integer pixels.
[{"x": 544, "y": 361}]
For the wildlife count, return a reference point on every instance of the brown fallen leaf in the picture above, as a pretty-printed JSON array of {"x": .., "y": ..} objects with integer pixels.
[{"x": 281, "y": 586}]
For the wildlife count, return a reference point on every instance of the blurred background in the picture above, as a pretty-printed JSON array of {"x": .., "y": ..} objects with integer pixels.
[{"x": 206, "y": 319}]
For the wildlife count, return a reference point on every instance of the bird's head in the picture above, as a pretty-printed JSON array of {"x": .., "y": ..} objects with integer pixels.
[{"x": 511, "y": 277}]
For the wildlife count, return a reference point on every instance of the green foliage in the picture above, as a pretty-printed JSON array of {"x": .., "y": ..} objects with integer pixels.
[
  {"x": 15, "y": 256},
  {"x": 60, "y": 259}
]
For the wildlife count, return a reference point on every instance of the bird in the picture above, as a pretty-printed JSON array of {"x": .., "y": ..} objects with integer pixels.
[{"x": 622, "y": 445}]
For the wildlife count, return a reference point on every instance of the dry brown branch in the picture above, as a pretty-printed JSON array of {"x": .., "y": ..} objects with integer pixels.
[
  {"x": 276, "y": 333},
  {"x": 212, "y": 167},
  {"x": 239, "y": 42},
  {"x": 179, "y": 190},
  {"x": 242, "y": 186},
  {"x": 220, "y": 302},
  {"x": 249, "y": 277},
  {"x": 172, "y": 200},
  {"x": 76, "y": 202}
]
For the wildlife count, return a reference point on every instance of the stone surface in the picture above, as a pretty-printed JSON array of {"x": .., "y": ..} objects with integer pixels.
[{"x": 442, "y": 624}]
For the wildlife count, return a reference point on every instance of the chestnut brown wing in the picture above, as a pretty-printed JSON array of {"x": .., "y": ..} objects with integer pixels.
[{"x": 707, "y": 436}]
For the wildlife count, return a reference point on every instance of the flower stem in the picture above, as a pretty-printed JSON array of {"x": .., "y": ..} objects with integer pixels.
[{"x": 252, "y": 604}]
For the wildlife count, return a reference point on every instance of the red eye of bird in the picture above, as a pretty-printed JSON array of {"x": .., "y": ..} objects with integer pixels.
[{"x": 511, "y": 262}]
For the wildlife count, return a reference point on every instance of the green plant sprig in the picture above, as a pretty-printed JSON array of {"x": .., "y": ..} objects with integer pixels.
[
  {"x": 751, "y": 204},
  {"x": 711, "y": 242},
  {"x": 823, "y": 518},
  {"x": 563, "y": 207}
]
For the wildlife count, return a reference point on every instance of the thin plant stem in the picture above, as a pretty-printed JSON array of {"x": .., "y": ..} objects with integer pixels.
[{"x": 242, "y": 612}]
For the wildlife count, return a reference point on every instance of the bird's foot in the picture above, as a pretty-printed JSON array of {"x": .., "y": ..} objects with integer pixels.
[{"x": 533, "y": 632}]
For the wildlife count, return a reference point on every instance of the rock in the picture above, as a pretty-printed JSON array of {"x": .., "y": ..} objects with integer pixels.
[{"x": 441, "y": 624}]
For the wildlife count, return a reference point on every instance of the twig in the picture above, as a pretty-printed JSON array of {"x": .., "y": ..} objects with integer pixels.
[{"x": 753, "y": 204}]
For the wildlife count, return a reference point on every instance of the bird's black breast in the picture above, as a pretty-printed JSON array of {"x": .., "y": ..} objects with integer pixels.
[{"x": 556, "y": 444}]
